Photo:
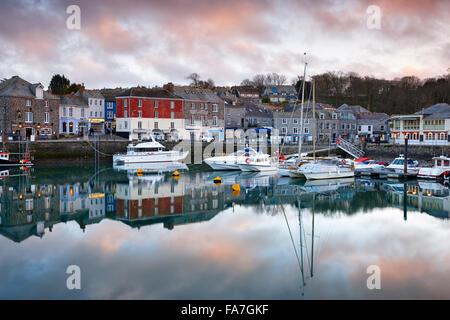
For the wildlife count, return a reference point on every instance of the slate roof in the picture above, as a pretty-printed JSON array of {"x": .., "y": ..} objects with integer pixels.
[
  {"x": 86, "y": 94},
  {"x": 148, "y": 93},
  {"x": 196, "y": 94},
  {"x": 73, "y": 100},
  {"x": 253, "y": 110},
  {"x": 110, "y": 94},
  {"x": 357, "y": 109},
  {"x": 437, "y": 111},
  {"x": 18, "y": 87}
]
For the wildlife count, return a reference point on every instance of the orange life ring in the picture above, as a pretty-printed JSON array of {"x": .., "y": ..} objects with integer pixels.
[{"x": 247, "y": 161}]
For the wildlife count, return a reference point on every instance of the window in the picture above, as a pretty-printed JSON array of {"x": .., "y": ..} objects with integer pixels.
[
  {"x": 125, "y": 103},
  {"x": 95, "y": 113},
  {"x": 172, "y": 125},
  {"x": 192, "y": 105},
  {"x": 125, "y": 124},
  {"x": 382, "y": 128},
  {"x": 156, "y": 125},
  {"x": 28, "y": 116},
  {"x": 139, "y": 114},
  {"x": 172, "y": 105},
  {"x": 172, "y": 115},
  {"x": 295, "y": 130},
  {"x": 71, "y": 112},
  {"x": 156, "y": 114},
  {"x": 192, "y": 120},
  {"x": 28, "y": 103},
  {"x": 47, "y": 117},
  {"x": 140, "y": 103},
  {"x": 322, "y": 116},
  {"x": 369, "y": 128},
  {"x": 295, "y": 121},
  {"x": 201, "y": 105},
  {"x": 214, "y": 121},
  {"x": 306, "y": 130},
  {"x": 139, "y": 124},
  {"x": 46, "y": 103},
  {"x": 283, "y": 130},
  {"x": 125, "y": 113},
  {"x": 334, "y": 126},
  {"x": 335, "y": 116},
  {"x": 206, "y": 106},
  {"x": 343, "y": 126},
  {"x": 109, "y": 114},
  {"x": 82, "y": 113},
  {"x": 64, "y": 111},
  {"x": 215, "y": 108},
  {"x": 156, "y": 104},
  {"x": 91, "y": 113},
  {"x": 359, "y": 128},
  {"x": 284, "y": 121}
]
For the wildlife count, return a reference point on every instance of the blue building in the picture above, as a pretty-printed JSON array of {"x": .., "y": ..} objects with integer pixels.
[{"x": 110, "y": 108}]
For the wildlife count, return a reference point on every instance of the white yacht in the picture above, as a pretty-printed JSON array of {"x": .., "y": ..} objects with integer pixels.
[
  {"x": 440, "y": 170},
  {"x": 368, "y": 167},
  {"x": 149, "y": 152},
  {"x": 288, "y": 164},
  {"x": 327, "y": 169},
  {"x": 230, "y": 162},
  {"x": 257, "y": 163},
  {"x": 398, "y": 165}
]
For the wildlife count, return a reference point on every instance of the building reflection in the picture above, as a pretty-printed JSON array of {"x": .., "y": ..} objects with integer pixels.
[{"x": 34, "y": 202}]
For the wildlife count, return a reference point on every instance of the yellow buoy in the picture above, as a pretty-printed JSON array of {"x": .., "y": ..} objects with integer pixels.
[
  {"x": 236, "y": 187},
  {"x": 176, "y": 174},
  {"x": 140, "y": 172}
]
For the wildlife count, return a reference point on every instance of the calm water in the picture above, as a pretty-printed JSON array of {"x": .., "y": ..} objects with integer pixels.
[{"x": 155, "y": 237}]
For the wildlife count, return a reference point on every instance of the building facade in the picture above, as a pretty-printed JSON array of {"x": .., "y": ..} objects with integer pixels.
[
  {"x": 96, "y": 103},
  {"x": 279, "y": 94},
  {"x": 27, "y": 110},
  {"x": 143, "y": 111},
  {"x": 73, "y": 118},
  {"x": 430, "y": 126},
  {"x": 203, "y": 112}
]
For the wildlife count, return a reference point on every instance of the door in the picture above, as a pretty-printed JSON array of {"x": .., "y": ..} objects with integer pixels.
[{"x": 28, "y": 132}]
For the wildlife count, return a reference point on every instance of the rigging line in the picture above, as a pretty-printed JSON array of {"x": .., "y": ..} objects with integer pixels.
[
  {"x": 292, "y": 240},
  {"x": 96, "y": 150},
  {"x": 306, "y": 244}
]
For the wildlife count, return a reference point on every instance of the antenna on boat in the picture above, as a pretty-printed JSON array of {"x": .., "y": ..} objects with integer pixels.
[{"x": 314, "y": 119}]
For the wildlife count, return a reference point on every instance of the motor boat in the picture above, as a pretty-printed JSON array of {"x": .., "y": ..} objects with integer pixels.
[
  {"x": 368, "y": 167},
  {"x": 259, "y": 162},
  {"x": 149, "y": 152},
  {"x": 327, "y": 169},
  {"x": 440, "y": 170},
  {"x": 398, "y": 165},
  {"x": 230, "y": 162},
  {"x": 288, "y": 164}
]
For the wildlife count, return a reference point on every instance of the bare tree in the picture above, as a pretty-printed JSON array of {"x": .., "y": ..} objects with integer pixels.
[
  {"x": 195, "y": 79},
  {"x": 246, "y": 82}
]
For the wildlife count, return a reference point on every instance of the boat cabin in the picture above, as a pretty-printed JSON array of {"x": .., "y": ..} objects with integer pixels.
[{"x": 441, "y": 162}]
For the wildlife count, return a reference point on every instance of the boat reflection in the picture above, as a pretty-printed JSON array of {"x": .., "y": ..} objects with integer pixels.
[
  {"x": 133, "y": 168},
  {"x": 35, "y": 202}
]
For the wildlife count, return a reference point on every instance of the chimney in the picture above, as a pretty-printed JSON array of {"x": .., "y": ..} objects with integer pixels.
[
  {"x": 169, "y": 87},
  {"x": 82, "y": 89}
]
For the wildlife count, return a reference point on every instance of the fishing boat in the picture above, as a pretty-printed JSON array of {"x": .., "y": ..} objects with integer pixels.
[
  {"x": 259, "y": 162},
  {"x": 230, "y": 162},
  {"x": 149, "y": 152},
  {"x": 398, "y": 164},
  {"x": 440, "y": 170},
  {"x": 327, "y": 169}
]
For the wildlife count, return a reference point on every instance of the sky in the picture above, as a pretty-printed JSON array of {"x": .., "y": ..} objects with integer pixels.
[{"x": 151, "y": 42}]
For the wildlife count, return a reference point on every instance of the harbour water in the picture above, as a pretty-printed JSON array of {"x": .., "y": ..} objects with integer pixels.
[{"x": 155, "y": 236}]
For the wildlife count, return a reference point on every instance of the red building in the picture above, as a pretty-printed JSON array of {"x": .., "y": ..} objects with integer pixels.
[{"x": 141, "y": 111}]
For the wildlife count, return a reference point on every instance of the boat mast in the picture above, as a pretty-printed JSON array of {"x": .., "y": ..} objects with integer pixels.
[
  {"x": 314, "y": 120},
  {"x": 301, "y": 112}
]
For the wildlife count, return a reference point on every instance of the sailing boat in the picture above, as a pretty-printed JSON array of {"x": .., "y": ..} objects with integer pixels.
[{"x": 285, "y": 167}]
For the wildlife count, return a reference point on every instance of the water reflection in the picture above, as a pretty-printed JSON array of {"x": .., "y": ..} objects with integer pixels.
[{"x": 245, "y": 239}]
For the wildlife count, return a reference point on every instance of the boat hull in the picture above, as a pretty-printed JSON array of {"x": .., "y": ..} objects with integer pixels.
[
  {"x": 222, "y": 165},
  {"x": 256, "y": 168},
  {"x": 169, "y": 156},
  {"x": 328, "y": 175}
]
